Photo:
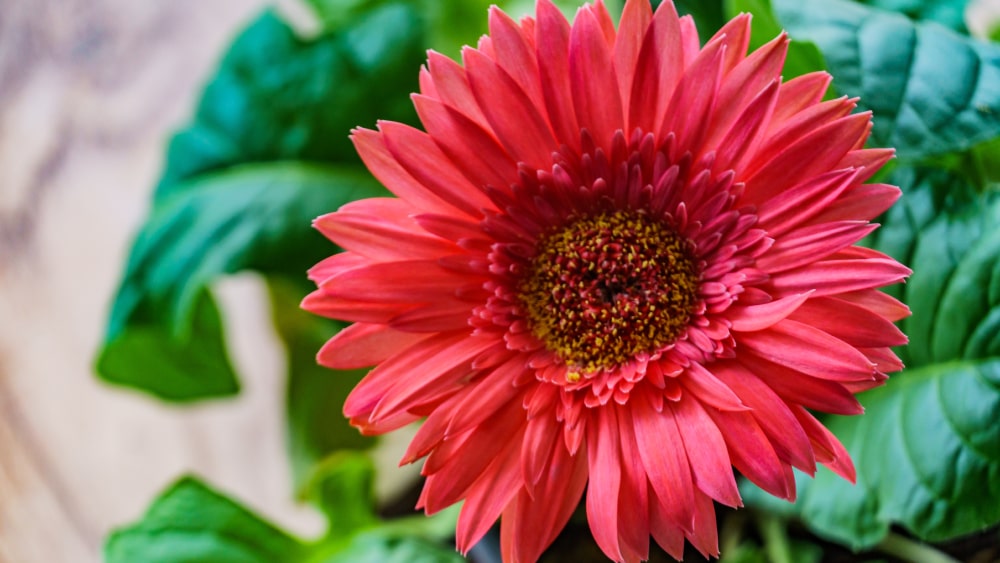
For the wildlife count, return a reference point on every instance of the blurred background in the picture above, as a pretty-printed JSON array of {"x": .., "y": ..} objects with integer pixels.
[{"x": 89, "y": 92}]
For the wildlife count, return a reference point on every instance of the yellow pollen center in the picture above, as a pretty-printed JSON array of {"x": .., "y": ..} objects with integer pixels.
[{"x": 602, "y": 289}]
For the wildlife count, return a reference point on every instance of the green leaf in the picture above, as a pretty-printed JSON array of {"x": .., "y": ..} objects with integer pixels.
[
  {"x": 175, "y": 367},
  {"x": 932, "y": 91},
  {"x": 803, "y": 56},
  {"x": 277, "y": 96},
  {"x": 316, "y": 426},
  {"x": 190, "y": 523},
  {"x": 255, "y": 216},
  {"x": 949, "y": 13},
  {"x": 341, "y": 486},
  {"x": 927, "y": 450}
]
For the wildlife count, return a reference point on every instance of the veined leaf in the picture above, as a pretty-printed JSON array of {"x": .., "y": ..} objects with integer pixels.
[
  {"x": 932, "y": 91},
  {"x": 949, "y": 13}
]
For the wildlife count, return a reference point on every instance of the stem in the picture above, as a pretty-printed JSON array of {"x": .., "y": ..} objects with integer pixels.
[
  {"x": 911, "y": 550},
  {"x": 775, "y": 535}
]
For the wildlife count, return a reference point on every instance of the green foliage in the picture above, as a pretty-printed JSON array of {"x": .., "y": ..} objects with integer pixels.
[
  {"x": 191, "y": 523},
  {"x": 932, "y": 91},
  {"x": 949, "y": 13},
  {"x": 277, "y": 96},
  {"x": 927, "y": 449}
]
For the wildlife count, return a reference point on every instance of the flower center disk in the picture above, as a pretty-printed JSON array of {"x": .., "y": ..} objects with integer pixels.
[{"x": 602, "y": 289}]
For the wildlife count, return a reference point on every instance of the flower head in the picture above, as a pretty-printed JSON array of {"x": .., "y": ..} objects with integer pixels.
[{"x": 619, "y": 262}]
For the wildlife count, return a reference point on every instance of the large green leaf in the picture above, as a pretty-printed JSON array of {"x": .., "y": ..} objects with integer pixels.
[
  {"x": 950, "y": 13},
  {"x": 932, "y": 91},
  {"x": 927, "y": 449},
  {"x": 191, "y": 523},
  {"x": 277, "y": 96},
  {"x": 255, "y": 216}
]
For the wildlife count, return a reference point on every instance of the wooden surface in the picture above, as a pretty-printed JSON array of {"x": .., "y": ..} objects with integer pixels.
[{"x": 89, "y": 90}]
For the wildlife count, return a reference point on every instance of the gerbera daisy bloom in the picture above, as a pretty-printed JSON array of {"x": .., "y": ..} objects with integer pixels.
[{"x": 617, "y": 262}]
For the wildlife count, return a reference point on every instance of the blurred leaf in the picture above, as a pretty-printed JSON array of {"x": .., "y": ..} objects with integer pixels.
[
  {"x": 341, "y": 486},
  {"x": 949, "y": 13},
  {"x": 190, "y": 523},
  {"x": 255, "y": 216},
  {"x": 927, "y": 449},
  {"x": 277, "y": 96},
  {"x": 149, "y": 356},
  {"x": 316, "y": 425},
  {"x": 932, "y": 91},
  {"x": 803, "y": 56}
]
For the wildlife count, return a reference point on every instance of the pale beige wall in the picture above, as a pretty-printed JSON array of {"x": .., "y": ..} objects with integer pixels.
[{"x": 89, "y": 90}]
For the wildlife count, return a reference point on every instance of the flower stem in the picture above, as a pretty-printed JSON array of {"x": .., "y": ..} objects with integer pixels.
[
  {"x": 775, "y": 536},
  {"x": 911, "y": 550}
]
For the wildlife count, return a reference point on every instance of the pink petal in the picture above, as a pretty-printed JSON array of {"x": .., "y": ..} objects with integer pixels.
[
  {"x": 806, "y": 390},
  {"x": 362, "y": 345},
  {"x": 798, "y": 94},
  {"x": 529, "y": 526},
  {"x": 759, "y": 317},
  {"x": 809, "y": 350},
  {"x": 662, "y": 452},
  {"x": 473, "y": 150},
  {"x": 706, "y": 451},
  {"x": 452, "y": 87},
  {"x": 410, "y": 281},
  {"x": 594, "y": 84},
  {"x": 703, "y": 384},
  {"x": 514, "y": 117},
  {"x": 863, "y": 202},
  {"x": 692, "y": 101},
  {"x": 809, "y": 244},
  {"x": 633, "y": 502},
  {"x": 552, "y": 33},
  {"x": 829, "y": 450},
  {"x": 636, "y": 18},
  {"x": 801, "y": 203},
  {"x": 421, "y": 157},
  {"x": 384, "y": 166},
  {"x": 775, "y": 419},
  {"x": 515, "y": 55},
  {"x": 381, "y": 229},
  {"x": 830, "y": 277},
  {"x": 752, "y": 453},
  {"x": 660, "y": 66},
  {"x": 808, "y": 156},
  {"x": 487, "y": 498},
  {"x": 851, "y": 323},
  {"x": 603, "y": 455}
]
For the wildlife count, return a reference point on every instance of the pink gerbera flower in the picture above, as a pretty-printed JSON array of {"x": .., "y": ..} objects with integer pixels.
[{"x": 618, "y": 262}]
